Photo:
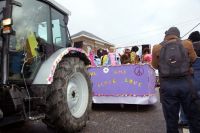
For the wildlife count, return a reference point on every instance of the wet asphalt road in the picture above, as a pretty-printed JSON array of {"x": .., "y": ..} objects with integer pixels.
[{"x": 110, "y": 119}]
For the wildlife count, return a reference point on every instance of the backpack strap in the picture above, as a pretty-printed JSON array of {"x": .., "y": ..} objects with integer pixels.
[
  {"x": 163, "y": 43},
  {"x": 166, "y": 42}
]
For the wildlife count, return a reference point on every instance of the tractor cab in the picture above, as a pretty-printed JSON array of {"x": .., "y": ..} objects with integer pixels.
[{"x": 31, "y": 30}]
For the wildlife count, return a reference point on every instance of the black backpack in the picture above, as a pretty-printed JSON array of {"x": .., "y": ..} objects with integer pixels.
[{"x": 174, "y": 60}]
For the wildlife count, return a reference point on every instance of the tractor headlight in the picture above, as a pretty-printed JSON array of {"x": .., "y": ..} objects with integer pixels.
[{"x": 6, "y": 22}]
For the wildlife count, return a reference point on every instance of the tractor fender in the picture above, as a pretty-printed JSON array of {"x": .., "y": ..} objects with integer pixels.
[{"x": 47, "y": 69}]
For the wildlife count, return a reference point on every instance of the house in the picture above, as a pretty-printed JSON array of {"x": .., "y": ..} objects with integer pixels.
[{"x": 89, "y": 41}]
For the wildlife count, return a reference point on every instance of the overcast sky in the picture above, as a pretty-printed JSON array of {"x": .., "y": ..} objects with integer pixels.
[{"x": 130, "y": 22}]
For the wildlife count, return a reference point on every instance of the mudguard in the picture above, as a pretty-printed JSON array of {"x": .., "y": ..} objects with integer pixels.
[{"x": 47, "y": 69}]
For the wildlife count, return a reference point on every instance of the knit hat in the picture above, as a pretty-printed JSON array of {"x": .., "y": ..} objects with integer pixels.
[{"x": 173, "y": 31}]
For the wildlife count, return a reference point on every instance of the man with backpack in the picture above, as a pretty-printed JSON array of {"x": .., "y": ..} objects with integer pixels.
[{"x": 173, "y": 58}]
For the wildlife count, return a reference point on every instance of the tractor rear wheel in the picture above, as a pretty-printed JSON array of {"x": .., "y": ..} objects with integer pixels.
[{"x": 69, "y": 97}]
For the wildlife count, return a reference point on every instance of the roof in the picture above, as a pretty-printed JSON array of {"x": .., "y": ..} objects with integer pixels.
[
  {"x": 59, "y": 6},
  {"x": 89, "y": 35}
]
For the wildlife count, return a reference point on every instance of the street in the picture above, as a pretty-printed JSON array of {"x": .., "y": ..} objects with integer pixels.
[
  {"x": 110, "y": 119},
  {"x": 130, "y": 119}
]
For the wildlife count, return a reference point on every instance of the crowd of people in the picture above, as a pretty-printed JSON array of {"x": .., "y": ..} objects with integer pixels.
[
  {"x": 178, "y": 64},
  {"x": 110, "y": 57}
]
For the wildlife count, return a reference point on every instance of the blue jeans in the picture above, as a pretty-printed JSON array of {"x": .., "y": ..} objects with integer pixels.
[
  {"x": 183, "y": 117},
  {"x": 175, "y": 92},
  {"x": 196, "y": 76},
  {"x": 196, "y": 68}
]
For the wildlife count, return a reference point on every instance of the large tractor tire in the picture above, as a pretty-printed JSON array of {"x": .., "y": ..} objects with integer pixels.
[{"x": 69, "y": 97}]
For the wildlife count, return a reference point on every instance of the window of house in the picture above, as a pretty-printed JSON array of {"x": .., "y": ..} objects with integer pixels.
[{"x": 78, "y": 44}]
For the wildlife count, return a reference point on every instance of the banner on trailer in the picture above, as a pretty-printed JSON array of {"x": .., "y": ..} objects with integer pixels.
[{"x": 123, "y": 80}]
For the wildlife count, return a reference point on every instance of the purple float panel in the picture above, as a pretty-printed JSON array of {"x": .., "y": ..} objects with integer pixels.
[{"x": 124, "y": 84}]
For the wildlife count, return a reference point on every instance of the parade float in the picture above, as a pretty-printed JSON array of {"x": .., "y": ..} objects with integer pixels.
[{"x": 123, "y": 84}]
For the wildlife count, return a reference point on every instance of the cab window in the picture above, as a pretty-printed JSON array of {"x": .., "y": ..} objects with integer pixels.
[{"x": 58, "y": 29}]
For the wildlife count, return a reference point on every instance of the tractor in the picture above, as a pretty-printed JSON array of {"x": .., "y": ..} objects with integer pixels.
[{"x": 42, "y": 76}]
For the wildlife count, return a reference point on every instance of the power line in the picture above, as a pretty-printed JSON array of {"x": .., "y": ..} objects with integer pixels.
[
  {"x": 157, "y": 29},
  {"x": 191, "y": 30}
]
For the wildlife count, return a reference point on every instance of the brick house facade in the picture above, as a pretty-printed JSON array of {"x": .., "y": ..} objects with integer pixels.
[{"x": 89, "y": 41}]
